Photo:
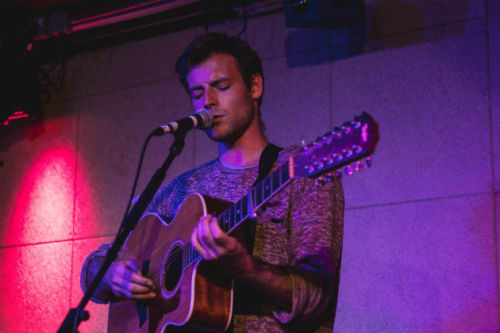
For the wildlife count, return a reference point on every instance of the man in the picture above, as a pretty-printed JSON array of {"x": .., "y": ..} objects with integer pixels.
[{"x": 288, "y": 280}]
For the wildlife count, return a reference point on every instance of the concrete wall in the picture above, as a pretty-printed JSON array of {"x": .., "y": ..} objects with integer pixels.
[{"x": 421, "y": 226}]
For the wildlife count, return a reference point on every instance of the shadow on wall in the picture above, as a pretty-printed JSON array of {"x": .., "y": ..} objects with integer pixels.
[{"x": 389, "y": 25}]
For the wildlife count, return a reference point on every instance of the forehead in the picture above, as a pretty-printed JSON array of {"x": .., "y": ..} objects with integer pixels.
[{"x": 213, "y": 68}]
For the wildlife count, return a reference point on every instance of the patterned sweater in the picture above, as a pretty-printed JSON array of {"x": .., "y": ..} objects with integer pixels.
[{"x": 300, "y": 229}]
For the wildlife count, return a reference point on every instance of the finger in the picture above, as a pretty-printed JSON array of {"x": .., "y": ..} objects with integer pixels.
[
  {"x": 129, "y": 294},
  {"x": 205, "y": 238},
  {"x": 219, "y": 237},
  {"x": 196, "y": 244},
  {"x": 139, "y": 279},
  {"x": 127, "y": 287},
  {"x": 138, "y": 289},
  {"x": 199, "y": 246},
  {"x": 134, "y": 275},
  {"x": 131, "y": 288}
]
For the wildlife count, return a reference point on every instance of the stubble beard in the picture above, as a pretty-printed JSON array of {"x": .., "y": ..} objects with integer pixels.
[{"x": 233, "y": 131}]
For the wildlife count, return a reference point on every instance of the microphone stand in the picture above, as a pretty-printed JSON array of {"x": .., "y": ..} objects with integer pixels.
[{"x": 76, "y": 315}]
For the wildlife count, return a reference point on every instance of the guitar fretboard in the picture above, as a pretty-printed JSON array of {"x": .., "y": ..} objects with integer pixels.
[{"x": 243, "y": 208}]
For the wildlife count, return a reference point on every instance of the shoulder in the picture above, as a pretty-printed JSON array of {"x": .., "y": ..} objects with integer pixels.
[{"x": 188, "y": 177}]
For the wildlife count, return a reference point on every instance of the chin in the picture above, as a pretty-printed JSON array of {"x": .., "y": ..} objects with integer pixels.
[
  {"x": 213, "y": 135},
  {"x": 217, "y": 136}
]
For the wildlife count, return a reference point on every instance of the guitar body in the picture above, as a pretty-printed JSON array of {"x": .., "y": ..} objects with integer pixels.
[{"x": 199, "y": 296}]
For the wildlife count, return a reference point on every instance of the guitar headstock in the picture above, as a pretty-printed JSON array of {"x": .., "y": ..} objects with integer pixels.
[{"x": 339, "y": 150}]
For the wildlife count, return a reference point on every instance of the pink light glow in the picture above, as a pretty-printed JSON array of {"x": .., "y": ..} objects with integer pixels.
[{"x": 44, "y": 205}]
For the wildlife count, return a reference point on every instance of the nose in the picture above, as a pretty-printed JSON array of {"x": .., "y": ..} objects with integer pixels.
[{"x": 210, "y": 100}]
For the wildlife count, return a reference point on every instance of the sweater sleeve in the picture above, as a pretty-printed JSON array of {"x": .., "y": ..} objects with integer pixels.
[
  {"x": 315, "y": 245},
  {"x": 90, "y": 268}
]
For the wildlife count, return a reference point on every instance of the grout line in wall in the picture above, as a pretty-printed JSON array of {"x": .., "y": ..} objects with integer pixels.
[
  {"x": 396, "y": 203},
  {"x": 492, "y": 162},
  {"x": 55, "y": 241}
]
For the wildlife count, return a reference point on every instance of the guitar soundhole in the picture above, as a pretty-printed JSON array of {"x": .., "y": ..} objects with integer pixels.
[{"x": 173, "y": 269}]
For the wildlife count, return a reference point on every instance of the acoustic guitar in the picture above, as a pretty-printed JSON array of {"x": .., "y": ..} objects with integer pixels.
[{"x": 193, "y": 294}]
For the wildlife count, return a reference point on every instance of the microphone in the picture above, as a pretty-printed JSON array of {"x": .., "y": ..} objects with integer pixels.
[{"x": 201, "y": 119}]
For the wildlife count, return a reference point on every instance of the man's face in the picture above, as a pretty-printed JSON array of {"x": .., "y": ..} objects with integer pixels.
[{"x": 217, "y": 84}]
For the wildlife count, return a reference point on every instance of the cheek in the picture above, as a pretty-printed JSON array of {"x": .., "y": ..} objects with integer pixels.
[{"x": 196, "y": 104}]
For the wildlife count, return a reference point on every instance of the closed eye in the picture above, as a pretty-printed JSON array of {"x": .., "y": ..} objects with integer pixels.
[
  {"x": 196, "y": 94},
  {"x": 223, "y": 87}
]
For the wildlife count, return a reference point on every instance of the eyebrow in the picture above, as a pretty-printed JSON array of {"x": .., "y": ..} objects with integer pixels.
[{"x": 211, "y": 83}]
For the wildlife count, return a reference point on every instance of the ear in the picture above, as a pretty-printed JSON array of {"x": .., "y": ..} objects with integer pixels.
[{"x": 256, "y": 86}]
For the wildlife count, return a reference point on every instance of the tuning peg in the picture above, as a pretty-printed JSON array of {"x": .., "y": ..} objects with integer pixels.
[
  {"x": 346, "y": 129},
  {"x": 356, "y": 124},
  {"x": 309, "y": 168},
  {"x": 358, "y": 166},
  {"x": 328, "y": 160},
  {"x": 357, "y": 149},
  {"x": 348, "y": 170},
  {"x": 347, "y": 152},
  {"x": 337, "y": 132},
  {"x": 327, "y": 139},
  {"x": 319, "y": 165},
  {"x": 368, "y": 161}
]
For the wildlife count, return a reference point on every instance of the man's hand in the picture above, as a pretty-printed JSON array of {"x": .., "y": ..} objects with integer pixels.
[
  {"x": 215, "y": 245},
  {"x": 229, "y": 254},
  {"x": 126, "y": 281}
]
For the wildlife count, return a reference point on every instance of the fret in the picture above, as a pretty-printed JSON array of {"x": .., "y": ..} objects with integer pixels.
[
  {"x": 229, "y": 220},
  {"x": 227, "y": 214},
  {"x": 284, "y": 173},
  {"x": 266, "y": 184},
  {"x": 258, "y": 194},
  {"x": 191, "y": 253},
  {"x": 223, "y": 222},
  {"x": 276, "y": 179},
  {"x": 253, "y": 193},
  {"x": 244, "y": 206},
  {"x": 187, "y": 254},
  {"x": 231, "y": 216},
  {"x": 238, "y": 211}
]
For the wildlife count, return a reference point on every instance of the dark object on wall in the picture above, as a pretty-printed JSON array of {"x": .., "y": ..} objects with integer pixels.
[
  {"x": 20, "y": 96},
  {"x": 329, "y": 14}
]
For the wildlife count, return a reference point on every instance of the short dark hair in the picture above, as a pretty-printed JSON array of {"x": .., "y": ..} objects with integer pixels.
[{"x": 204, "y": 46}]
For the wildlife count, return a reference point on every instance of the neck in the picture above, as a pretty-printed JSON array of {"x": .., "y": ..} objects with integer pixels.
[{"x": 245, "y": 151}]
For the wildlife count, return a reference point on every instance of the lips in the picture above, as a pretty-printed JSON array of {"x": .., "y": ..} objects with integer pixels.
[
  {"x": 217, "y": 118},
  {"x": 217, "y": 115}
]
